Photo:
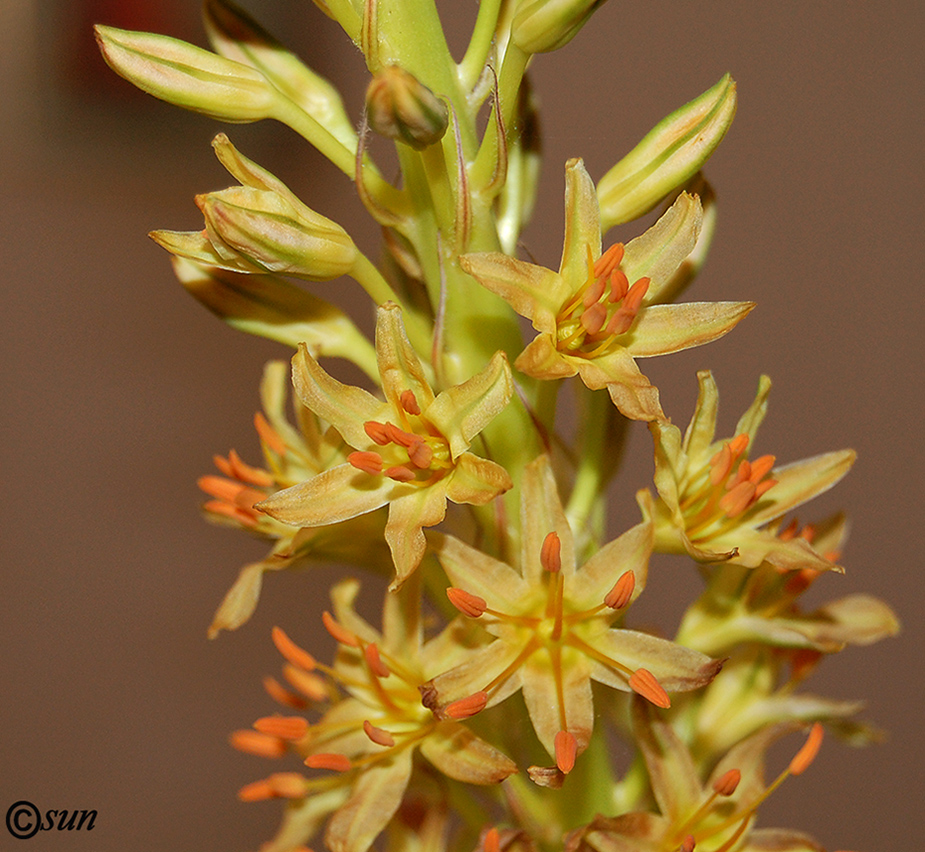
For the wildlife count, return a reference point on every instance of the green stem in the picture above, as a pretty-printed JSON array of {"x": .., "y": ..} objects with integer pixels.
[{"x": 473, "y": 63}]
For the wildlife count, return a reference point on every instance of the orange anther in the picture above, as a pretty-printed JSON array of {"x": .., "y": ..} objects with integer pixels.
[
  {"x": 632, "y": 302},
  {"x": 374, "y": 661},
  {"x": 269, "y": 435},
  {"x": 377, "y": 432},
  {"x": 761, "y": 468},
  {"x": 400, "y": 437},
  {"x": 800, "y": 580},
  {"x": 738, "y": 500},
  {"x": 805, "y": 756},
  {"x": 619, "y": 596},
  {"x": 246, "y": 473},
  {"x": 284, "y": 727},
  {"x": 256, "y": 791},
  {"x": 803, "y": 662},
  {"x": 688, "y": 844},
  {"x": 400, "y": 473},
  {"x": 619, "y": 286},
  {"x": 726, "y": 784},
  {"x": 492, "y": 841},
  {"x": 551, "y": 553},
  {"x": 236, "y": 513},
  {"x": 223, "y": 465},
  {"x": 790, "y": 531},
  {"x": 339, "y": 632},
  {"x": 743, "y": 474},
  {"x": 310, "y": 685},
  {"x": 645, "y": 684},
  {"x": 409, "y": 402},
  {"x": 287, "y": 785},
  {"x": 223, "y": 489},
  {"x": 808, "y": 533},
  {"x": 594, "y": 292},
  {"x": 608, "y": 261},
  {"x": 466, "y": 603},
  {"x": 566, "y": 748},
  {"x": 261, "y": 745},
  {"x": 420, "y": 455},
  {"x": 325, "y": 760},
  {"x": 592, "y": 319},
  {"x": 292, "y": 652},
  {"x": 368, "y": 462},
  {"x": 739, "y": 444},
  {"x": 720, "y": 465},
  {"x": 466, "y": 707},
  {"x": 764, "y": 487},
  {"x": 378, "y": 735},
  {"x": 284, "y": 696}
]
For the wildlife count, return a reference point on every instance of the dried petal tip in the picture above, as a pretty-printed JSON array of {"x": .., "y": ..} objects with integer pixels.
[
  {"x": 805, "y": 756},
  {"x": 466, "y": 603},
  {"x": 551, "y": 553},
  {"x": 566, "y": 750},
  {"x": 645, "y": 684},
  {"x": 337, "y": 762},
  {"x": 621, "y": 593},
  {"x": 466, "y": 707},
  {"x": 292, "y": 652},
  {"x": 726, "y": 784},
  {"x": 340, "y": 633}
]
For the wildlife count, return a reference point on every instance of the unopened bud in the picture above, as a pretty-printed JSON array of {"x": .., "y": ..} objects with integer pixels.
[
  {"x": 277, "y": 233},
  {"x": 544, "y": 25},
  {"x": 400, "y": 107},
  {"x": 188, "y": 76},
  {"x": 670, "y": 154}
]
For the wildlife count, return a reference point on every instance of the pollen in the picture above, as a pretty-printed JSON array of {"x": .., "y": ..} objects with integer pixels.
[
  {"x": 645, "y": 684},
  {"x": 400, "y": 473}
]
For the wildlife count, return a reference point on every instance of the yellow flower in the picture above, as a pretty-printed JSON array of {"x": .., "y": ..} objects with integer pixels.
[
  {"x": 290, "y": 455},
  {"x": 552, "y": 627},
  {"x": 411, "y": 449},
  {"x": 368, "y": 736},
  {"x": 716, "y": 816},
  {"x": 715, "y": 504},
  {"x": 600, "y": 311}
]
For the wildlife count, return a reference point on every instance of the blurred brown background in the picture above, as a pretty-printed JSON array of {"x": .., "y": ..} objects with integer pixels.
[{"x": 117, "y": 388}]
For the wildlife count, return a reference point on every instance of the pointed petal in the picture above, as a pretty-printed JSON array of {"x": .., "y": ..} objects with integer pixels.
[
  {"x": 460, "y": 754},
  {"x": 633, "y": 832},
  {"x": 632, "y": 393},
  {"x": 780, "y": 840},
  {"x": 477, "y": 481},
  {"x": 701, "y": 430},
  {"x": 343, "y": 596},
  {"x": 541, "y": 513},
  {"x": 424, "y": 507},
  {"x": 239, "y": 603},
  {"x": 479, "y": 669},
  {"x": 196, "y": 246},
  {"x": 302, "y": 820},
  {"x": 662, "y": 329},
  {"x": 345, "y": 407},
  {"x": 545, "y": 698},
  {"x": 337, "y": 494},
  {"x": 801, "y": 481},
  {"x": 402, "y": 626},
  {"x": 582, "y": 226},
  {"x": 480, "y": 574},
  {"x": 752, "y": 547},
  {"x": 672, "y": 772},
  {"x": 677, "y": 668},
  {"x": 755, "y": 414},
  {"x": 374, "y": 799},
  {"x": 533, "y": 291},
  {"x": 462, "y": 411},
  {"x": 670, "y": 466},
  {"x": 855, "y": 619},
  {"x": 659, "y": 252},
  {"x": 400, "y": 368},
  {"x": 629, "y": 552},
  {"x": 541, "y": 360}
]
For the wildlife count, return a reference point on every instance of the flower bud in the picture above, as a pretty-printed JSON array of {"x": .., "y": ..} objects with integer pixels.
[
  {"x": 276, "y": 233},
  {"x": 236, "y": 36},
  {"x": 672, "y": 152},
  {"x": 402, "y": 108},
  {"x": 544, "y": 25},
  {"x": 188, "y": 76}
]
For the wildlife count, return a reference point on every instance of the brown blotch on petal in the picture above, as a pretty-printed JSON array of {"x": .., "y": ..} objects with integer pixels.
[{"x": 546, "y": 776}]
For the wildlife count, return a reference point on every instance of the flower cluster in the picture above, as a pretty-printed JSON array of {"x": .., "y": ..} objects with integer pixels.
[{"x": 483, "y": 713}]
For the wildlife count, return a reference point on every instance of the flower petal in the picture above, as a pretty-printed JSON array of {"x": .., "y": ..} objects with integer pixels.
[
  {"x": 541, "y": 360},
  {"x": 460, "y": 754},
  {"x": 541, "y": 513},
  {"x": 462, "y": 411},
  {"x": 476, "y": 671},
  {"x": 400, "y": 369},
  {"x": 662, "y": 329},
  {"x": 477, "y": 481},
  {"x": 345, "y": 407},
  {"x": 632, "y": 393},
  {"x": 701, "y": 430},
  {"x": 630, "y": 552},
  {"x": 424, "y": 507},
  {"x": 533, "y": 291},
  {"x": 755, "y": 413},
  {"x": 659, "y": 252},
  {"x": 582, "y": 226},
  {"x": 337, "y": 494}
]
